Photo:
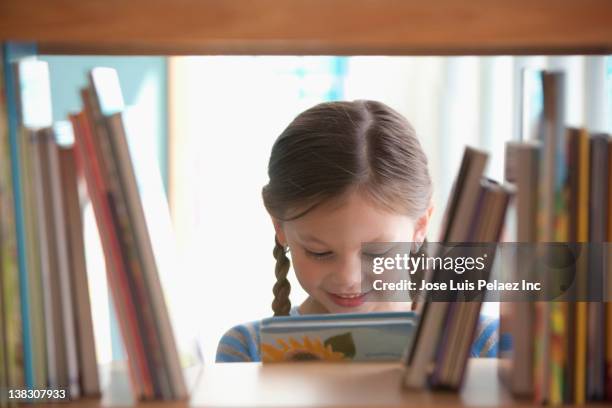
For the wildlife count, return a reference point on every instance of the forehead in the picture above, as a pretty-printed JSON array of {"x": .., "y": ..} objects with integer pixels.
[{"x": 350, "y": 221}]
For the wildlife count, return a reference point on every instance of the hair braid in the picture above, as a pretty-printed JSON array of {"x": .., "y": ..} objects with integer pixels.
[{"x": 281, "y": 303}]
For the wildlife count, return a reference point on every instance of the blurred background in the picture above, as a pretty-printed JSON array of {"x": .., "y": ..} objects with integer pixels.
[{"x": 201, "y": 128}]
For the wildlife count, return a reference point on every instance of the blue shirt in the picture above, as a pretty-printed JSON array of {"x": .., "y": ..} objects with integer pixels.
[{"x": 241, "y": 343}]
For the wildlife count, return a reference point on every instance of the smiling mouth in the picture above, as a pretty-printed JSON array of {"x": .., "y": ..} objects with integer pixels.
[
  {"x": 348, "y": 299},
  {"x": 348, "y": 295}
]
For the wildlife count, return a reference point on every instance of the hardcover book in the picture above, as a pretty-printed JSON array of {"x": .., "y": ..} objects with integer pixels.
[{"x": 376, "y": 336}]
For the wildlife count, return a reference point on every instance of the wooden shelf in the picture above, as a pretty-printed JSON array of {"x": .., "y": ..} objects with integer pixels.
[
  {"x": 342, "y": 27},
  {"x": 318, "y": 385}
]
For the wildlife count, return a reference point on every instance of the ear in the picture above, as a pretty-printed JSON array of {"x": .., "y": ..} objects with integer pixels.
[
  {"x": 280, "y": 232},
  {"x": 421, "y": 225}
]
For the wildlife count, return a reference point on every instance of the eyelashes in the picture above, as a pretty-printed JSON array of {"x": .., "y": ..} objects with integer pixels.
[
  {"x": 319, "y": 255},
  {"x": 329, "y": 254}
]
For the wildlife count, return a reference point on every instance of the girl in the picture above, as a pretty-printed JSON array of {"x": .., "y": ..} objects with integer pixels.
[{"x": 341, "y": 174}]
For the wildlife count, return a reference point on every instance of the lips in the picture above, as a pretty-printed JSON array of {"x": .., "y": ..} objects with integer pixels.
[{"x": 348, "y": 299}]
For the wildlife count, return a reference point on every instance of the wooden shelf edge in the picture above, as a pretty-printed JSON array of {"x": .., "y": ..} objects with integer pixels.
[
  {"x": 310, "y": 27},
  {"x": 316, "y": 384},
  {"x": 302, "y": 48},
  {"x": 330, "y": 385}
]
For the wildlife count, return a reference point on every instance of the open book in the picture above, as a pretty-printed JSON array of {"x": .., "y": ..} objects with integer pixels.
[{"x": 377, "y": 336}]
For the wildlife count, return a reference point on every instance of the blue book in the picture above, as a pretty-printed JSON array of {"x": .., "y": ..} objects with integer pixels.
[
  {"x": 378, "y": 336},
  {"x": 12, "y": 53}
]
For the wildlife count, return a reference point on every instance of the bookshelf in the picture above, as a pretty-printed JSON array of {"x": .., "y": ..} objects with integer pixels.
[
  {"x": 343, "y": 27},
  {"x": 312, "y": 27}
]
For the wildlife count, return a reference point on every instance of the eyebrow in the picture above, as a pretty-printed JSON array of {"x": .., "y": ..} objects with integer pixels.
[
  {"x": 310, "y": 238},
  {"x": 313, "y": 239}
]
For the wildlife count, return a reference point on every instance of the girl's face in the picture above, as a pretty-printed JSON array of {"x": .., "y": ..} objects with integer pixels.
[{"x": 325, "y": 246}]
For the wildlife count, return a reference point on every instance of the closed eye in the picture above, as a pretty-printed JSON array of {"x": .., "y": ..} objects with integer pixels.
[{"x": 319, "y": 255}]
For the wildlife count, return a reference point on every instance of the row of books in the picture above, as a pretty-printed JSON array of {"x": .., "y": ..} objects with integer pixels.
[
  {"x": 52, "y": 296},
  {"x": 562, "y": 350},
  {"x": 45, "y": 314},
  {"x": 475, "y": 212}
]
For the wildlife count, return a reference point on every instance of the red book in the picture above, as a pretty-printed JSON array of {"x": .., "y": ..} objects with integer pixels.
[{"x": 96, "y": 187}]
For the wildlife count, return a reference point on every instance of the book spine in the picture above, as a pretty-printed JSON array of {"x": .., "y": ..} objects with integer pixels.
[
  {"x": 582, "y": 232},
  {"x": 88, "y": 367},
  {"x": 55, "y": 355},
  {"x": 3, "y": 185},
  {"x": 431, "y": 325},
  {"x": 548, "y": 378},
  {"x": 597, "y": 231},
  {"x": 36, "y": 86},
  {"x": 500, "y": 201},
  {"x": 573, "y": 149},
  {"x": 527, "y": 232},
  {"x": 24, "y": 374},
  {"x": 3, "y": 361},
  {"x": 558, "y": 345},
  {"x": 63, "y": 266},
  {"x": 132, "y": 266},
  {"x": 95, "y": 187},
  {"x": 608, "y": 277},
  {"x": 559, "y": 310},
  {"x": 33, "y": 260},
  {"x": 137, "y": 276},
  {"x": 165, "y": 355},
  {"x": 443, "y": 351},
  {"x": 9, "y": 255},
  {"x": 48, "y": 336}
]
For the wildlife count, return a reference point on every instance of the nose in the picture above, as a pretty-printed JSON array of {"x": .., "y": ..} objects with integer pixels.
[{"x": 347, "y": 276}]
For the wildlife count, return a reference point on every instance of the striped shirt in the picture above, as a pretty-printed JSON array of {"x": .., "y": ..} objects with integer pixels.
[{"x": 241, "y": 343}]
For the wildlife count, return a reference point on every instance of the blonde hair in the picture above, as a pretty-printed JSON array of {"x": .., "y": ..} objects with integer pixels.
[{"x": 337, "y": 146}]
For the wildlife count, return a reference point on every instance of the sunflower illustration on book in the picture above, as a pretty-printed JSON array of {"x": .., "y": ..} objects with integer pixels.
[{"x": 336, "y": 348}]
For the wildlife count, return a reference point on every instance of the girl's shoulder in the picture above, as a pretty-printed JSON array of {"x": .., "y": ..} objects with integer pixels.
[
  {"x": 486, "y": 339},
  {"x": 239, "y": 344}
]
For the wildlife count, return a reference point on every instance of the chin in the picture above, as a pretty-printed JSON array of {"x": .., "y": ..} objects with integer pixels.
[
  {"x": 359, "y": 309},
  {"x": 368, "y": 307}
]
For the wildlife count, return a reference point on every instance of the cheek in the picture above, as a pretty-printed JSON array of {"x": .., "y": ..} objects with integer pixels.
[
  {"x": 406, "y": 234},
  {"x": 309, "y": 272}
]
